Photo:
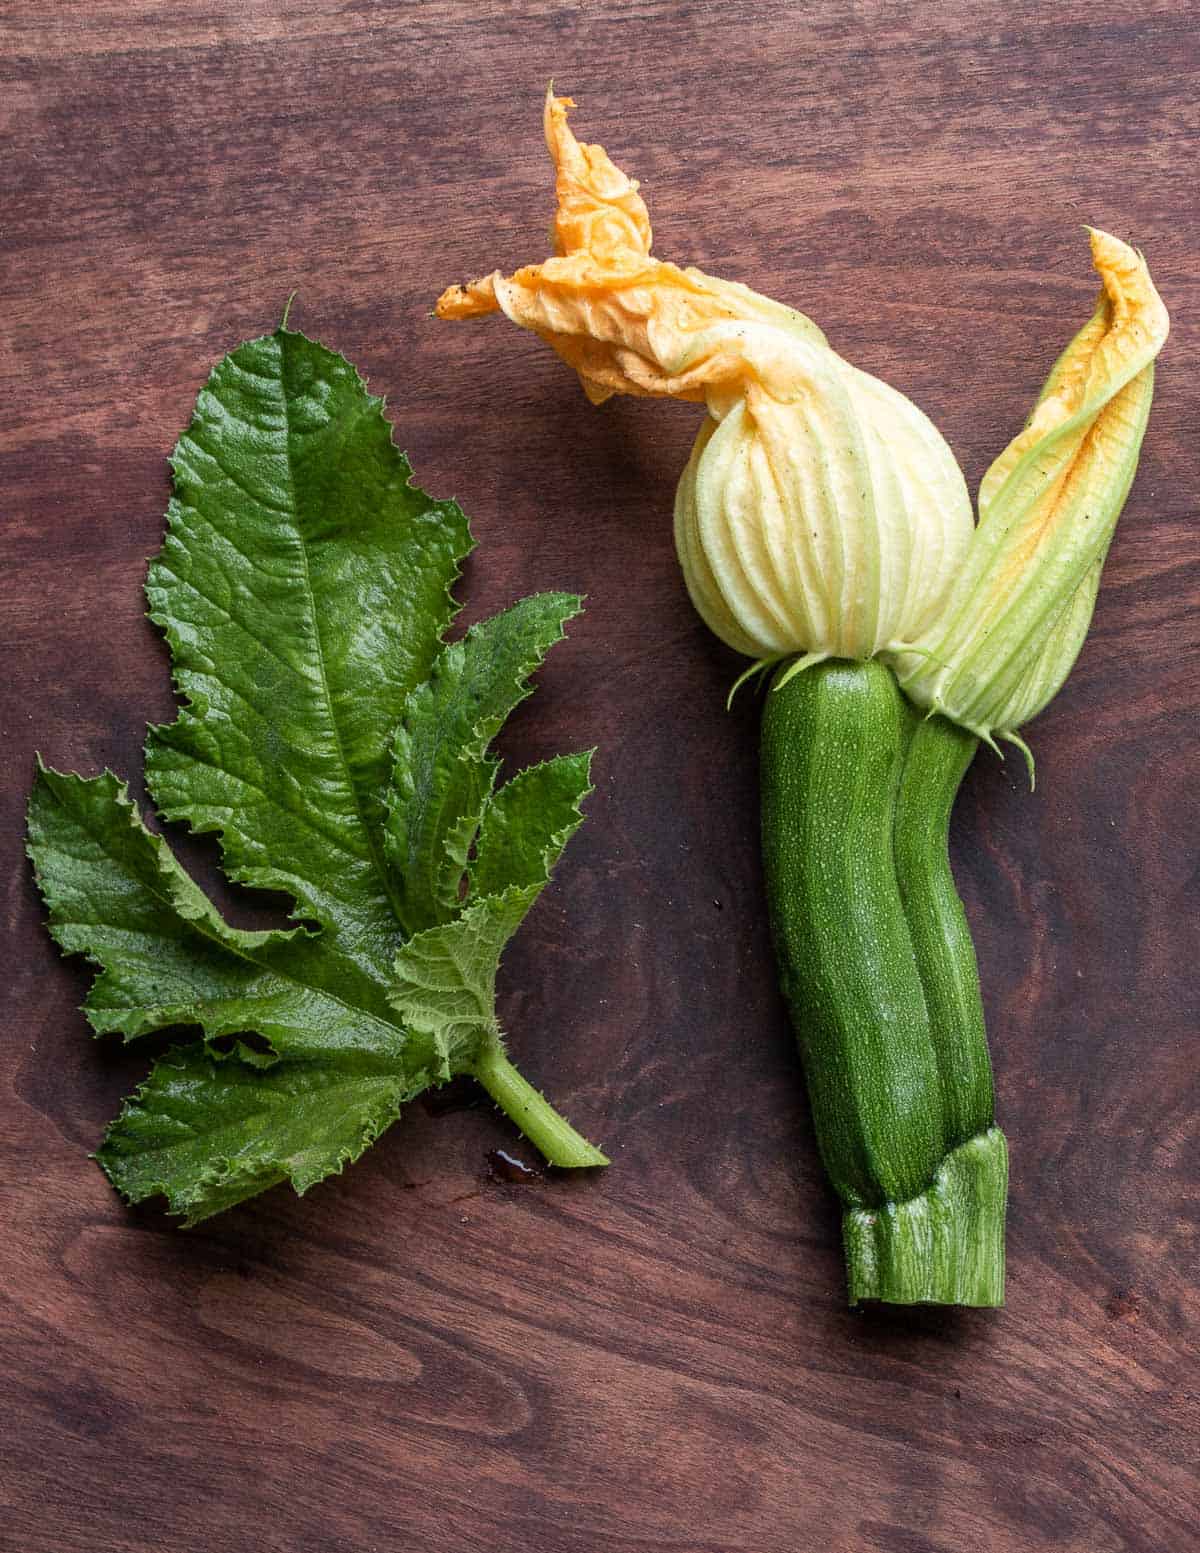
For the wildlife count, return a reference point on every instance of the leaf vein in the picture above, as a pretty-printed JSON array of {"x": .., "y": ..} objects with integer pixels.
[
  {"x": 238, "y": 483},
  {"x": 376, "y": 855},
  {"x": 165, "y": 570},
  {"x": 307, "y": 819}
]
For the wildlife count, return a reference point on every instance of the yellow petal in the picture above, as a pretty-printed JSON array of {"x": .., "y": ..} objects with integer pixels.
[
  {"x": 821, "y": 512},
  {"x": 628, "y": 323},
  {"x": 1047, "y": 510},
  {"x": 599, "y": 209}
]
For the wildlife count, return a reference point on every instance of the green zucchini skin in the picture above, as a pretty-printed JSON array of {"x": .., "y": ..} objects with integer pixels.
[
  {"x": 939, "y": 753},
  {"x": 878, "y": 970},
  {"x": 834, "y": 741}
]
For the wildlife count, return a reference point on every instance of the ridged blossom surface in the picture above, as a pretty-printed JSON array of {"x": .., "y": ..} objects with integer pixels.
[{"x": 820, "y": 512}]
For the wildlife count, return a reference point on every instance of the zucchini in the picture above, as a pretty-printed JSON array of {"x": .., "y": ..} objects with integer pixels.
[{"x": 878, "y": 972}]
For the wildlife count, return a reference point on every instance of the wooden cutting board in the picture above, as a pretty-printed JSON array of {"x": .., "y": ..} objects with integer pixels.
[{"x": 422, "y": 1356}]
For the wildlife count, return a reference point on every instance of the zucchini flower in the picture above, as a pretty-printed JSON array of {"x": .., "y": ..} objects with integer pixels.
[
  {"x": 820, "y": 513},
  {"x": 1020, "y": 609}
]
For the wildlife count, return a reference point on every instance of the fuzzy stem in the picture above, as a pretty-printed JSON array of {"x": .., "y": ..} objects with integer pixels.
[{"x": 549, "y": 1132}]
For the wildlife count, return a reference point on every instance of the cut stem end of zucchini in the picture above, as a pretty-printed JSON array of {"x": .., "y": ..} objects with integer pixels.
[{"x": 943, "y": 1247}]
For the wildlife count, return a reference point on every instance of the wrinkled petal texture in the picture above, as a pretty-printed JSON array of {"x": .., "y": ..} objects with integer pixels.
[
  {"x": 820, "y": 511},
  {"x": 1047, "y": 510}
]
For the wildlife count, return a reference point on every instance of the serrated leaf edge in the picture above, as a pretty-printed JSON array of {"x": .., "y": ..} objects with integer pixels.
[
  {"x": 483, "y": 732},
  {"x": 250, "y": 875},
  {"x": 224, "y": 1170},
  {"x": 559, "y": 839}
]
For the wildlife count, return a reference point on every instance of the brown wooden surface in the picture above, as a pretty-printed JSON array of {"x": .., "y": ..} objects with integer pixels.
[{"x": 416, "y": 1356}]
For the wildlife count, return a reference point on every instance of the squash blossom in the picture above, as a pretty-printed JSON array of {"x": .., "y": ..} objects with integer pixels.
[
  {"x": 825, "y": 531},
  {"x": 1012, "y": 628}
]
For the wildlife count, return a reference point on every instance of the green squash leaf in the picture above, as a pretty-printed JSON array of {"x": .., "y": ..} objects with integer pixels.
[
  {"x": 339, "y": 750},
  {"x": 304, "y": 589},
  {"x": 208, "y": 1134},
  {"x": 528, "y": 823},
  {"x": 441, "y": 773},
  {"x": 445, "y": 983},
  {"x": 117, "y": 894}
]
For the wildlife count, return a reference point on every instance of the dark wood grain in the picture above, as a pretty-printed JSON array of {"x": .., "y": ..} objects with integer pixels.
[{"x": 419, "y": 1357}]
